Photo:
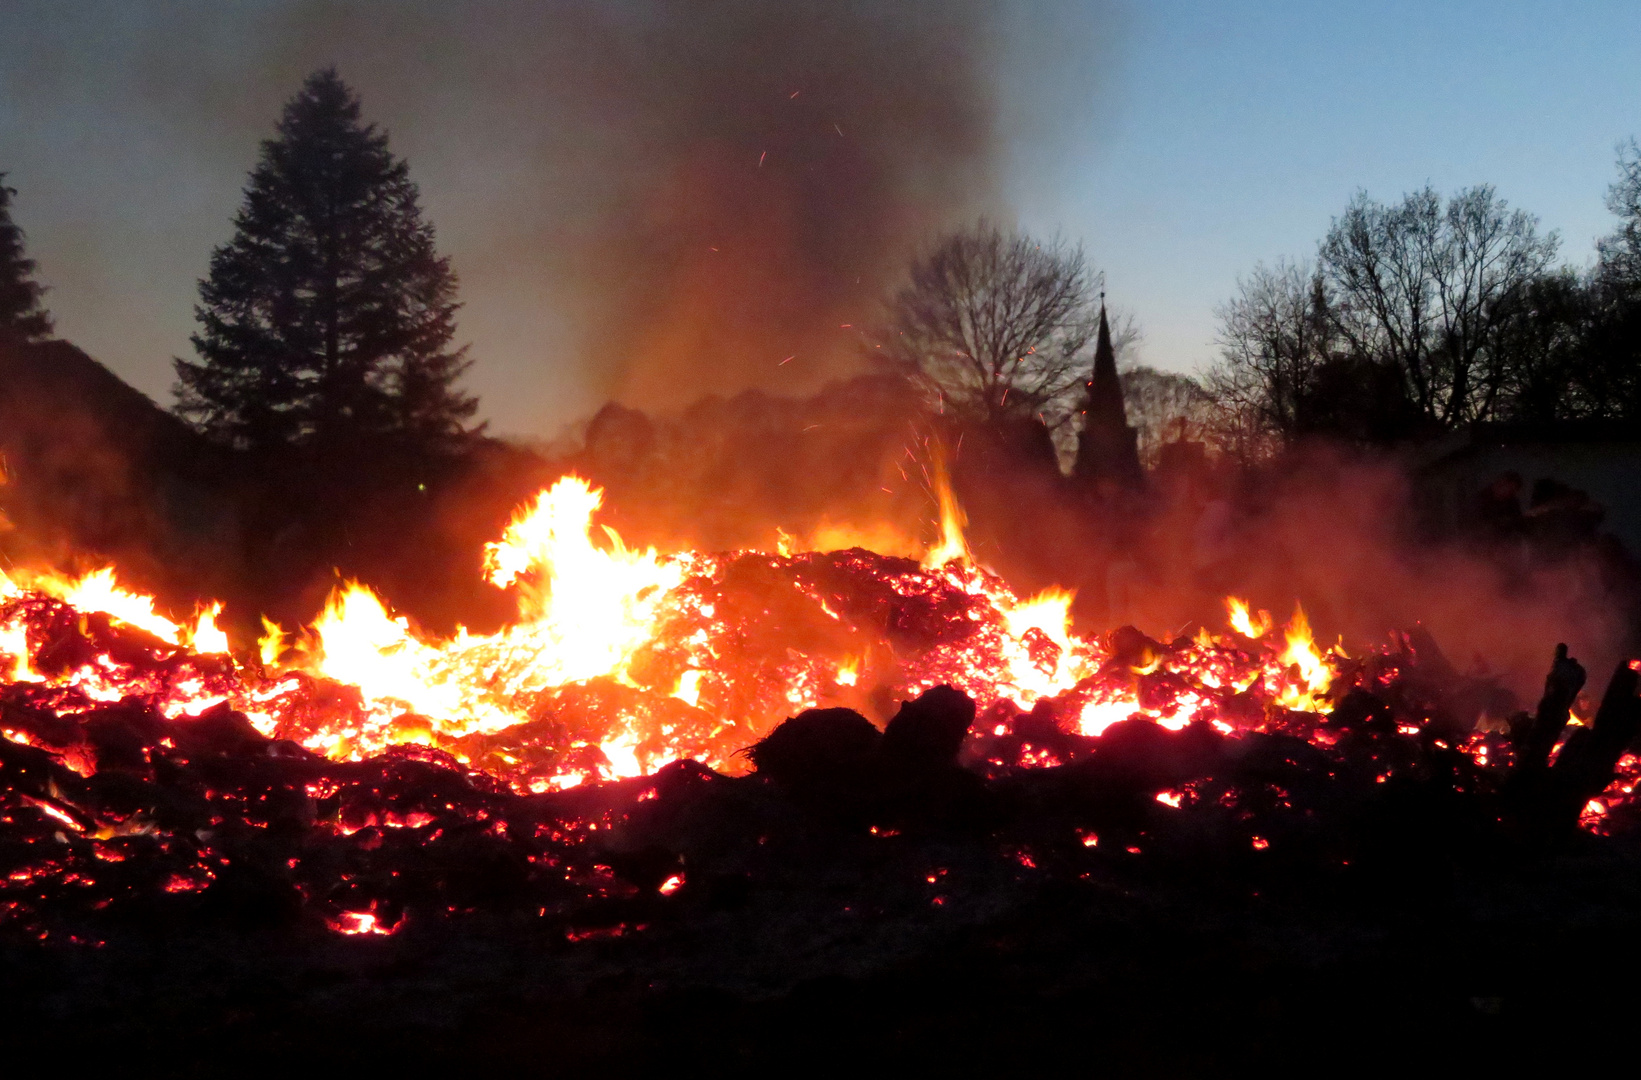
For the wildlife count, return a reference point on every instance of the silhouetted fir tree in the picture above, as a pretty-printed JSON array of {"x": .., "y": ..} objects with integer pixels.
[
  {"x": 326, "y": 321},
  {"x": 21, "y": 316}
]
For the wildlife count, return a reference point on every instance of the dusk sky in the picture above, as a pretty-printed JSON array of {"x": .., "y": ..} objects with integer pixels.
[
  {"x": 1182, "y": 143},
  {"x": 1230, "y": 133}
]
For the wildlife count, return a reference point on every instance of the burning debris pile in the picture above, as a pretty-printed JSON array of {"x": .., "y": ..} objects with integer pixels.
[{"x": 661, "y": 740}]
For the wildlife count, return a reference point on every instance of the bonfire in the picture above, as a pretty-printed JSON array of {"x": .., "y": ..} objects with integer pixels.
[{"x": 139, "y": 751}]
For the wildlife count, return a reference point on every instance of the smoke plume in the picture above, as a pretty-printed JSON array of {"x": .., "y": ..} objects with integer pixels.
[
  {"x": 646, "y": 200},
  {"x": 783, "y": 158}
]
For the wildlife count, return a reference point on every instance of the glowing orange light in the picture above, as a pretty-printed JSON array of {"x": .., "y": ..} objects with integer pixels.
[
  {"x": 1245, "y": 624},
  {"x": 952, "y": 546},
  {"x": 620, "y": 660},
  {"x": 361, "y": 922}
]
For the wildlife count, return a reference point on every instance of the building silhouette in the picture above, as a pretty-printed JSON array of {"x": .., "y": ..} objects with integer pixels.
[{"x": 1107, "y": 447}]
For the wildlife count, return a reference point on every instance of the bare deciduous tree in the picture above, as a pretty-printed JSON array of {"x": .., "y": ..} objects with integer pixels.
[
  {"x": 998, "y": 324},
  {"x": 1620, "y": 253},
  {"x": 1411, "y": 317},
  {"x": 1426, "y": 288},
  {"x": 1606, "y": 357},
  {"x": 1273, "y": 338}
]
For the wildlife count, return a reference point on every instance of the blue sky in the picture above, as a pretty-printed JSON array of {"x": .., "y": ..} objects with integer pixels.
[
  {"x": 1223, "y": 134},
  {"x": 1181, "y": 142}
]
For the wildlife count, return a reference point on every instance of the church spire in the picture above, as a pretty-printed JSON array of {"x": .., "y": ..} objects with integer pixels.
[
  {"x": 1105, "y": 389},
  {"x": 1107, "y": 448}
]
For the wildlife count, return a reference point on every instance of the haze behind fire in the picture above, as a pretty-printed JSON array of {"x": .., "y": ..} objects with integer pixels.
[
  {"x": 643, "y": 200},
  {"x": 594, "y": 171}
]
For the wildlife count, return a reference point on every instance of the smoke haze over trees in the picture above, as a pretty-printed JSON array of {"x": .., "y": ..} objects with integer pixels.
[
  {"x": 644, "y": 201},
  {"x": 1164, "y": 407},
  {"x": 722, "y": 187},
  {"x": 997, "y": 325}
]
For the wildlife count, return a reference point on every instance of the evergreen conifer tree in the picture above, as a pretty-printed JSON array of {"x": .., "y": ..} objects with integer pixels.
[
  {"x": 21, "y": 316},
  {"x": 326, "y": 322}
]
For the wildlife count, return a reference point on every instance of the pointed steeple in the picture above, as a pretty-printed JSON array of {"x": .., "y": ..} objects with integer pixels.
[
  {"x": 1107, "y": 448},
  {"x": 1105, "y": 389}
]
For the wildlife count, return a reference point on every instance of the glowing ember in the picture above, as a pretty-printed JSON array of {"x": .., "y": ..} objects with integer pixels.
[
  {"x": 623, "y": 660},
  {"x": 365, "y": 770},
  {"x": 360, "y": 922}
]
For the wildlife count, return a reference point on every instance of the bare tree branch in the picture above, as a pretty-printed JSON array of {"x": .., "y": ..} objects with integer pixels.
[{"x": 997, "y": 324}]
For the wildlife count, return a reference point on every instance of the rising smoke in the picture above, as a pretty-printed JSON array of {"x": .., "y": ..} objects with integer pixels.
[
  {"x": 786, "y": 158},
  {"x": 645, "y": 199},
  {"x": 654, "y": 200}
]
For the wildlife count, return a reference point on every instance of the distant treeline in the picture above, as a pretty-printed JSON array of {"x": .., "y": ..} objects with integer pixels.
[{"x": 1428, "y": 314}]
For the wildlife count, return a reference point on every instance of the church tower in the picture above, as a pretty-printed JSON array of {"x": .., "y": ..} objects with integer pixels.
[{"x": 1107, "y": 448}]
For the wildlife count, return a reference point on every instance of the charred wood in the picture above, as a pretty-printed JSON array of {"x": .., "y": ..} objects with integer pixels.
[
  {"x": 1561, "y": 687},
  {"x": 1587, "y": 762}
]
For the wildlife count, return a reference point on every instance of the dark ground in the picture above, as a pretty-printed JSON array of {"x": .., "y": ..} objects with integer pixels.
[{"x": 1134, "y": 965}]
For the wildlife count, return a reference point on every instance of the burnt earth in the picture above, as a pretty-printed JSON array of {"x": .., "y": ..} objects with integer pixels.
[{"x": 183, "y": 893}]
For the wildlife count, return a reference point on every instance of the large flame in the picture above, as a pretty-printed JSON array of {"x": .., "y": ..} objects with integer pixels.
[
  {"x": 99, "y": 592},
  {"x": 1313, "y": 672},
  {"x": 621, "y": 660},
  {"x": 587, "y": 609},
  {"x": 1249, "y": 626},
  {"x": 584, "y": 612}
]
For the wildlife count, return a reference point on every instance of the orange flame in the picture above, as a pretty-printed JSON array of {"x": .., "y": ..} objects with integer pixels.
[
  {"x": 99, "y": 591},
  {"x": 1243, "y": 623},
  {"x": 620, "y": 659},
  {"x": 205, "y": 636},
  {"x": 271, "y": 645},
  {"x": 952, "y": 546},
  {"x": 1314, "y": 673}
]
